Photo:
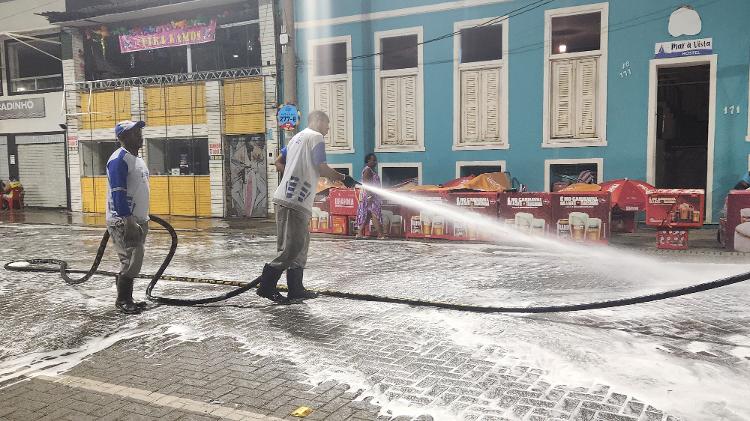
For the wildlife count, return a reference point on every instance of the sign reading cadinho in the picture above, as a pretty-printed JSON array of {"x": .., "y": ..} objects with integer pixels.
[{"x": 22, "y": 108}]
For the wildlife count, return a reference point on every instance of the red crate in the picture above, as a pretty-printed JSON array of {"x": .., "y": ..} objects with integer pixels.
[
  {"x": 340, "y": 224},
  {"x": 672, "y": 239},
  {"x": 343, "y": 202}
]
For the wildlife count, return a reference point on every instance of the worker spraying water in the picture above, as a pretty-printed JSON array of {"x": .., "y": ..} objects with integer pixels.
[{"x": 303, "y": 161}]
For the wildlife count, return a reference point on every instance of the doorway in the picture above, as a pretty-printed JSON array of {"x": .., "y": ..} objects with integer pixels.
[
  {"x": 681, "y": 121},
  {"x": 682, "y": 127},
  {"x": 248, "y": 187}
]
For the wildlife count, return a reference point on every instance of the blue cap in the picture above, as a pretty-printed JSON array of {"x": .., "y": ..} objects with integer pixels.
[{"x": 126, "y": 125}]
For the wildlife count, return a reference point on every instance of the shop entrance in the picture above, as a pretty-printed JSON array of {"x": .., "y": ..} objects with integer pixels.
[
  {"x": 248, "y": 187},
  {"x": 682, "y": 127},
  {"x": 682, "y": 108}
]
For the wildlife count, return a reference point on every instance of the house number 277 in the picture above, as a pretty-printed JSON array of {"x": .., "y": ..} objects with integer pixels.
[{"x": 732, "y": 109}]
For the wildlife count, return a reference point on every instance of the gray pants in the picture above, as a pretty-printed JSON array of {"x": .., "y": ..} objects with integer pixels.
[
  {"x": 131, "y": 255},
  {"x": 292, "y": 238}
]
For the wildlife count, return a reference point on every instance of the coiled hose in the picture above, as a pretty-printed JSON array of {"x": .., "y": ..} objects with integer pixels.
[{"x": 36, "y": 265}]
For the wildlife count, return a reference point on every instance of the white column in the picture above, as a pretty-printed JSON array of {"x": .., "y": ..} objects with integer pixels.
[
  {"x": 73, "y": 70},
  {"x": 268, "y": 58},
  {"x": 216, "y": 161}
]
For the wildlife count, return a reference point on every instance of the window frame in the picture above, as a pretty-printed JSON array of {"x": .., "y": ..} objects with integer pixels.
[
  {"x": 549, "y": 162},
  {"x": 461, "y": 164},
  {"x": 312, "y": 79},
  {"x": 417, "y": 165},
  {"x": 503, "y": 63},
  {"x": 601, "y": 109},
  {"x": 6, "y": 64},
  {"x": 418, "y": 72}
]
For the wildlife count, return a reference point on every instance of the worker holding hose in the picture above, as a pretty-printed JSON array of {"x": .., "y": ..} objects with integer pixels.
[
  {"x": 127, "y": 210},
  {"x": 303, "y": 161}
]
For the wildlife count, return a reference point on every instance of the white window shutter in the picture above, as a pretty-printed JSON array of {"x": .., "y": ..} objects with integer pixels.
[
  {"x": 586, "y": 94},
  {"x": 323, "y": 103},
  {"x": 390, "y": 111},
  {"x": 470, "y": 86},
  {"x": 491, "y": 105},
  {"x": 408, "y": 110},
  {"x": 562, "y": 100},
  {"x": 338, "y": 115}
]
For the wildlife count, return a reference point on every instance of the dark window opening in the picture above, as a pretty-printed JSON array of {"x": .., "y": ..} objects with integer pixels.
[
  {"x": 34, "y": 67},
  {"x": 342, "y": 170},
  {"x": 178, "y": 156},
  {"x": 399, "y": 52},
  {"x": 235, "y": 47},
  {"x": 468, "y": 170},
  {"x": 576, "y": 33},
  {"x": 562, "y": 175},
  {"x": 482, "y": 44},
  {"x": 95, "y": 155},
  {"x": 397, "y": 175},
  {"x": 330, "y": 59}
]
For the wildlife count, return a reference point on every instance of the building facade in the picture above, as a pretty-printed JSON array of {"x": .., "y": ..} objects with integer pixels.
[
  {"x": 32, "y": 140},
  {"x": 625, "y": 88},
  {"x": 201, "y": 74}
]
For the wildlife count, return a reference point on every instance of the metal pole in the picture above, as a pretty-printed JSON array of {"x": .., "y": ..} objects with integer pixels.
[{"x": 289, "y": 54}]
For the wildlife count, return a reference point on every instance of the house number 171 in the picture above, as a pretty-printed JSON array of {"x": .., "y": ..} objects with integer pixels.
[{"x": 732, "y": 109}]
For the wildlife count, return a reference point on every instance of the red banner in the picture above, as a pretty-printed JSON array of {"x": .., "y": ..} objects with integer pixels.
[
  {"x": 174, "y": 38},
  {"x": 675, "y": 208}
]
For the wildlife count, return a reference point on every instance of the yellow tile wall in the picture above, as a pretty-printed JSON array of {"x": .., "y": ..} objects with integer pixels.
[
  {"x": 107, "y": 108},
  {"x": 244, "y": 111},
  {"x": 175, "y": 105}
]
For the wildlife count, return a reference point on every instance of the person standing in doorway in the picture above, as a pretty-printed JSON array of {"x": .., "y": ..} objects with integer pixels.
[
  {"x": 370, "y": 203},
  {"x": 303, "y": 161},
  {"x": 128, "y": 197}
]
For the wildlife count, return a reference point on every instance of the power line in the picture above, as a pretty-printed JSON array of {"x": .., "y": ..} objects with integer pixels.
[{"x": 512, "y": 13}]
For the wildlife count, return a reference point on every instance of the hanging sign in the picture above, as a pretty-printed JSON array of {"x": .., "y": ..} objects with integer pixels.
[
  {"x": 690, "y": 47},
  {"x": 186, "y": 35},
  {"x": 22, "y": 108},
  {"x": 288, "y": 117}
]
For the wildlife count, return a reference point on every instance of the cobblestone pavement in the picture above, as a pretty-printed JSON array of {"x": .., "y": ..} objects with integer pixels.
[{"x": 66, "y": 353}]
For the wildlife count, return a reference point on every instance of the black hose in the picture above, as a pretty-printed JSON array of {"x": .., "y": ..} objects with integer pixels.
[
  {"x": 154, "y": 278},
  {"x": 242, "y": 287}
]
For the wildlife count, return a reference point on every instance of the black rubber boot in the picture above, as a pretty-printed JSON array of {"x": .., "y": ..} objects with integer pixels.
[
  {"x": 268, "y": 280},
  {"x": 294, "y": 282},
  {"x": 125, "y": 296}
]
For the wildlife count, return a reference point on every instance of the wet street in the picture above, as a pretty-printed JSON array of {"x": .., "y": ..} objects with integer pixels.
[{"x": 66, "y": 353}]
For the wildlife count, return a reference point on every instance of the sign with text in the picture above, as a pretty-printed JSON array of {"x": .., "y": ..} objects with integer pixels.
[
  {"x": 174, "y": 38},
  {"x": 288, "y": 117},
  {"x": 22, "y": 108},
  {"x": 685, "y": 48}
]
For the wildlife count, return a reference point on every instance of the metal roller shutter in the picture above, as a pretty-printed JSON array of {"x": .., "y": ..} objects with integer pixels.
[{"x": 41, "y": 170}]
